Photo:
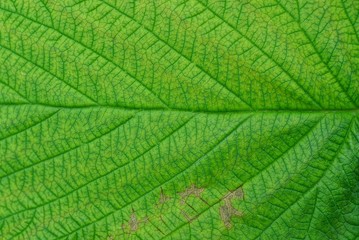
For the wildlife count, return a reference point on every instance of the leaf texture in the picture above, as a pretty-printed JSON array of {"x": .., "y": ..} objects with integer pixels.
[{"x": 180, "y": 119}]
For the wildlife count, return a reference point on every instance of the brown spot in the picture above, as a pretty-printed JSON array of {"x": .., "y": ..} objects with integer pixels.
[
  {"x": 227, "y": 211},
  {"x": 192, "y": 191},
  {"x": 133, "y": 223},
  {"x": 238, "y": 193}
]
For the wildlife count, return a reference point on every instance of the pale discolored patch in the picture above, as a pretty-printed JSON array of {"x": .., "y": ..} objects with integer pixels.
[
  {"x": 227, "y": 211},
  {"x": 191, "y": 191},
  {"x": 133, "y": 223},
  {"x": 238, "y": 193}
]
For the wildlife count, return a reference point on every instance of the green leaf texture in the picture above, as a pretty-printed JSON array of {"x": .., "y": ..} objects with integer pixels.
[{"x": 179, "y": 119}]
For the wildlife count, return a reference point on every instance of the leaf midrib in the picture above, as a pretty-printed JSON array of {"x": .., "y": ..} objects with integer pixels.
[{"x": 152, "y": 109}]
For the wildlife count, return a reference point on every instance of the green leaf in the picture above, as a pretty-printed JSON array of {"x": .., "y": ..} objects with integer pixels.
[{"x": 180, "y": 119}]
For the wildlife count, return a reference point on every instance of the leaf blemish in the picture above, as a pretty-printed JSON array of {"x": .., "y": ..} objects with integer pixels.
[
  {"x": 133, "y": 223},
  {"x": 192, "y": 191},
  {"x": 227, "y": 211}
]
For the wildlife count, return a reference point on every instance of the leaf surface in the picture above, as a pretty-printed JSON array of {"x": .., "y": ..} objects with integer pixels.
[{"x": 179, "y": 119}]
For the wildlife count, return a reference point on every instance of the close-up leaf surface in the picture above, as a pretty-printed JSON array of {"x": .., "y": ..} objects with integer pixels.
[{"x": 179, "y": 119}]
